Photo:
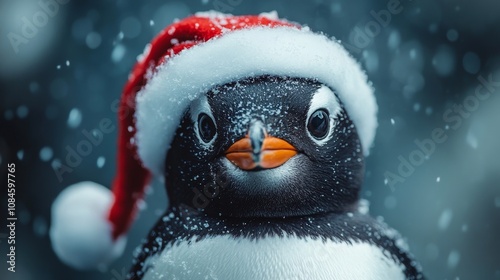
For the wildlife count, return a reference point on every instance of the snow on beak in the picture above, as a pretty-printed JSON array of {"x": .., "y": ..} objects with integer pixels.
[{"x": 259, "y": 150}]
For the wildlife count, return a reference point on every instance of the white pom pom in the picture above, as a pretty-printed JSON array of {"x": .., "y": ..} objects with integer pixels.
[{"x": 81, "y": 234}]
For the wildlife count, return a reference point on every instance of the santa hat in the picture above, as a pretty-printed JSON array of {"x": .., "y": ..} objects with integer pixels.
[{"x": 186, "y": 59}]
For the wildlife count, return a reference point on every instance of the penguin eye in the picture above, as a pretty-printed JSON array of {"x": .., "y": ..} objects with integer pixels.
[
  {"x": 322, "y": 115},
  {"x": 319, "y": 124},
  {"x": 206, "y": 127}
]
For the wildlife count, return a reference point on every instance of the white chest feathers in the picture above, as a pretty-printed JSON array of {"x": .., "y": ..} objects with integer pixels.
[{"x": 272, "y": 258}]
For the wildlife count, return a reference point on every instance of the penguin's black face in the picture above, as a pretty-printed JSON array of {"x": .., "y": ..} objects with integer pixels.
[{"x": 266, "y": 147}]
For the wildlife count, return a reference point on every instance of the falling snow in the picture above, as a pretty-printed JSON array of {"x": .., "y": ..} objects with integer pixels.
[
  {"x": 453, "y": 259},
  {"x": 101, "y": 161},
  {"x": 452, "y": 35},
  {"x": 20, "y": 154},
  {"x": 445, "y": 219},
  {"x": 471, "y": 140},
  {"x": 40, "y": 226},
  {"x": 444, "y": 60},
  {"x": 74, "y": 118},
  {"x": 417, "y": 75},
  {"x": 22, "y": 112},
  {"x": 46, "y": 154},
  {"x": 497, "y": 201},
  {"x": 118, "y": 53},
  {"x": 416, "y": 107},
  {"x": 465, "y": 227}
]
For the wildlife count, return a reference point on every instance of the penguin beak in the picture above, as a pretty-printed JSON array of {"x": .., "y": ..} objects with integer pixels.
[{"x": 258, "y": 150}]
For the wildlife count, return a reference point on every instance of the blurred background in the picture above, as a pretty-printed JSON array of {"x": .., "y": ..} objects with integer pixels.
[{"x": 62, "y": 69}]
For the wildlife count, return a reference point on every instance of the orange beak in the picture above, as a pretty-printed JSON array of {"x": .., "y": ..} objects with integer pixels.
[{"x": 273, "y": 152}]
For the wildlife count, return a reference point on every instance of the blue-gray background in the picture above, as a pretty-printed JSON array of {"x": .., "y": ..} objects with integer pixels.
[{"x": 425, "y": 60}]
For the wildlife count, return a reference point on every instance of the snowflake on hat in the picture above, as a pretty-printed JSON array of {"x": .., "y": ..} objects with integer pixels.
[{"x": 185, "y": 61}]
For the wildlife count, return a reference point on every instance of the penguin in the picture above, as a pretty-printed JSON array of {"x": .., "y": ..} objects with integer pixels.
[
  {"x": 264, "y": 177},
  {"x": 258, "y": 127}
]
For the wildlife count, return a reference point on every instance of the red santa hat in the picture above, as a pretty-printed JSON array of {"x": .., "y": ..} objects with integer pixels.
[{"x": 188, "y": 58}]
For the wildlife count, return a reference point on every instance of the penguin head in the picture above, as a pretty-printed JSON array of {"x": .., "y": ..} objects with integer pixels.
[{"x": 266, "y": 147}]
